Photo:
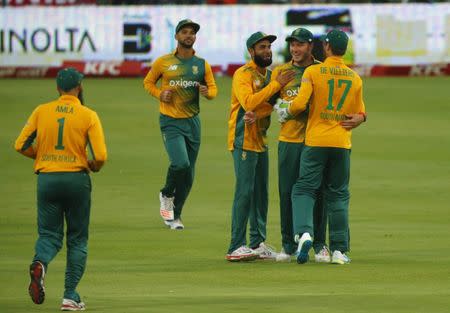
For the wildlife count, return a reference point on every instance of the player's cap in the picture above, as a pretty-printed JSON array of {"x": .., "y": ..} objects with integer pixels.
[
  {"x": 301, "y": 35},
  {"x": 185, "y": 23},
  {"x": 257, "y": 37},
  {"x": 336, "y": 38},
  {"x": 68, "y": 78}
]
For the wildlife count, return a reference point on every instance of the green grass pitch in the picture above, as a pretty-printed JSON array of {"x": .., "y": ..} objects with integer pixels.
[{"x": 399, "y": 212}]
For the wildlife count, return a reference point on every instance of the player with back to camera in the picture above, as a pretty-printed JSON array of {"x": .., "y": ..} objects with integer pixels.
[
  {"x": 63, "y": 129},
  {"x": 336, "y": 108},
  {"x": 290, "y": 146}
]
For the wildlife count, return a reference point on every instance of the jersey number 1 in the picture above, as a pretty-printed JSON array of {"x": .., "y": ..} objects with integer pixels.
[
  {"x": 59, "y": 145},
  {"x": 348, "y": 85}
]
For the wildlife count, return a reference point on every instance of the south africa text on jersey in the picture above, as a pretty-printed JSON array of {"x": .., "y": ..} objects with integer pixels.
[{"x": 59, "y": 158}]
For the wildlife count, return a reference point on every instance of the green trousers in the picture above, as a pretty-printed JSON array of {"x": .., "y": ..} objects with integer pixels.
[
  {"x": 329, "y": 167},
  {"x": 289, "y": 154},
  {"x": 181, "y": 138},
  {"x": 250, "y": 198},
  {"x": 64, "y": 196}
]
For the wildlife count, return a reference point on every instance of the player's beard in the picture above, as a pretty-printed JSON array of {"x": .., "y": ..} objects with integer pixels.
[
  {"x": 261, "y": 62},
  {"x": 185, "y": 45}
]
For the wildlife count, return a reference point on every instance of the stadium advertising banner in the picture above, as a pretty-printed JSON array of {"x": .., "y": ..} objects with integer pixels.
[
  {"x": 400, "y": 34},
  {"x": 18, "y": 3}
]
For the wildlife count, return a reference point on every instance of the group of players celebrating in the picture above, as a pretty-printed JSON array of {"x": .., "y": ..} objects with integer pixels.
[{"x": 318, "y": 104}]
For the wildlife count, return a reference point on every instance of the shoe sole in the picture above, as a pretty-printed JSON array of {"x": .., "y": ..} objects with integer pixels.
[
  {"x": 284, "y": 260},
  {"x": 36, "y": 288},
  {"x": 177, "y": 226},
  {"x": 322, "y": 260},
  {"x": 66, "y": 308},
  {"x": 243, "y": 258},
  {"x": 303, "y": 256},
  {"x": 340, "y": 262},
  {"x": 266, "y": 257},
  {"x": 71, "y": 308},
  {"x": 168, "y": 223}
]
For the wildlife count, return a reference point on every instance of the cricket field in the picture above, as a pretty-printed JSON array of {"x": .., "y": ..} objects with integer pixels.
[{"x": 399, "y": 212}]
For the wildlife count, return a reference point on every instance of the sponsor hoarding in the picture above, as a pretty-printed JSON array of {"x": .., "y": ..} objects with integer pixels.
[{"x": 400, "y": 34}]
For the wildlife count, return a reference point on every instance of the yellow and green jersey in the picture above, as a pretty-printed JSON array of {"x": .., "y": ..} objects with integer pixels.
[
  {"x": 293, "y": 130},
  {"x": 335, "y": 90},
  {"x": 182, "y": 77},
  {"x": 250, "y": 91},
  {"x": 62, "y": 130}
]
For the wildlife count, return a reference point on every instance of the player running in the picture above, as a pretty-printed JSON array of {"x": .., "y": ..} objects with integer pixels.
[
  {"x": 184, "y": 77},
  {"x": 63, "y": 129}
]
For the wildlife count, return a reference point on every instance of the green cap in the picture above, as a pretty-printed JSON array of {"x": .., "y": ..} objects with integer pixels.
[
  {"x": 301, "y": 35},
  {"x": 336, "y": 38},
  {"x": 187, "y": 22},
  {"x": 257, "y": 37},
  {"x": 68, "y": 78}
]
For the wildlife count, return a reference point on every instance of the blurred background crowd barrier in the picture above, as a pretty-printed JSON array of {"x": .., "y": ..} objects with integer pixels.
[{"x": 118, "y": 38}]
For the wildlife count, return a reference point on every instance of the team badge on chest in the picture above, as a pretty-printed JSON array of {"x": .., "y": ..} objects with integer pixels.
[{"x": 195, "y": 70}]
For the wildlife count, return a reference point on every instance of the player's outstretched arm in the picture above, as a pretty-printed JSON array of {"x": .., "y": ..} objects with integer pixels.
[
  {"x": 354, "y": 120},
  {"x": 300, "y": 103},
  {"x": 242, "y": 86}
]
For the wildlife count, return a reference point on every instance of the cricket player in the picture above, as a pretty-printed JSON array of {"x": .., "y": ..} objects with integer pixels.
[
  {"x": 63, "y": 129},
  {"x": 290, "y": 146},
  {"x": 251, "y": 90},
  {"x": 336, "y": 107},
  {"x": 184, "y": 77}
]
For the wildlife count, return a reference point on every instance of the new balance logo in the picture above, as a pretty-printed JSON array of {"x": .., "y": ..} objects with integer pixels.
[{"x": 173, "y": 67}]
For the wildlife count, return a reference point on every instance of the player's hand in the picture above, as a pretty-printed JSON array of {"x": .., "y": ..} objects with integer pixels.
[
  {"x": 249, "y": 117},
  {"x": 352, "y": 121},
  {"x": 203, "y": 90},
  {"x": 93, "y": 166},
  {"x": 281, "y": 103},
  {"x": 166, "y": 96},
  {"x": 283, "y": 113},
  {"x": 285, "y": 77}
]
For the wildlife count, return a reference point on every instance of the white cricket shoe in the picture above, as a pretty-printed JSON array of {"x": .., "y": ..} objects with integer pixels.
[
  {"x": 304, "y": 245},
  {"x": 339, "y": 258},
  {"x": 323, "y": 256},
  {"x": 168, "y": 223},
  {"x": 176, "y": 224},
  {"x": 71, "y": 305},
  {"x": 166, "y": 207},
  {"x": 242, "y": 253},
  {"x": 265, "y": 252},
  {"x": 283, "y": 257}
]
